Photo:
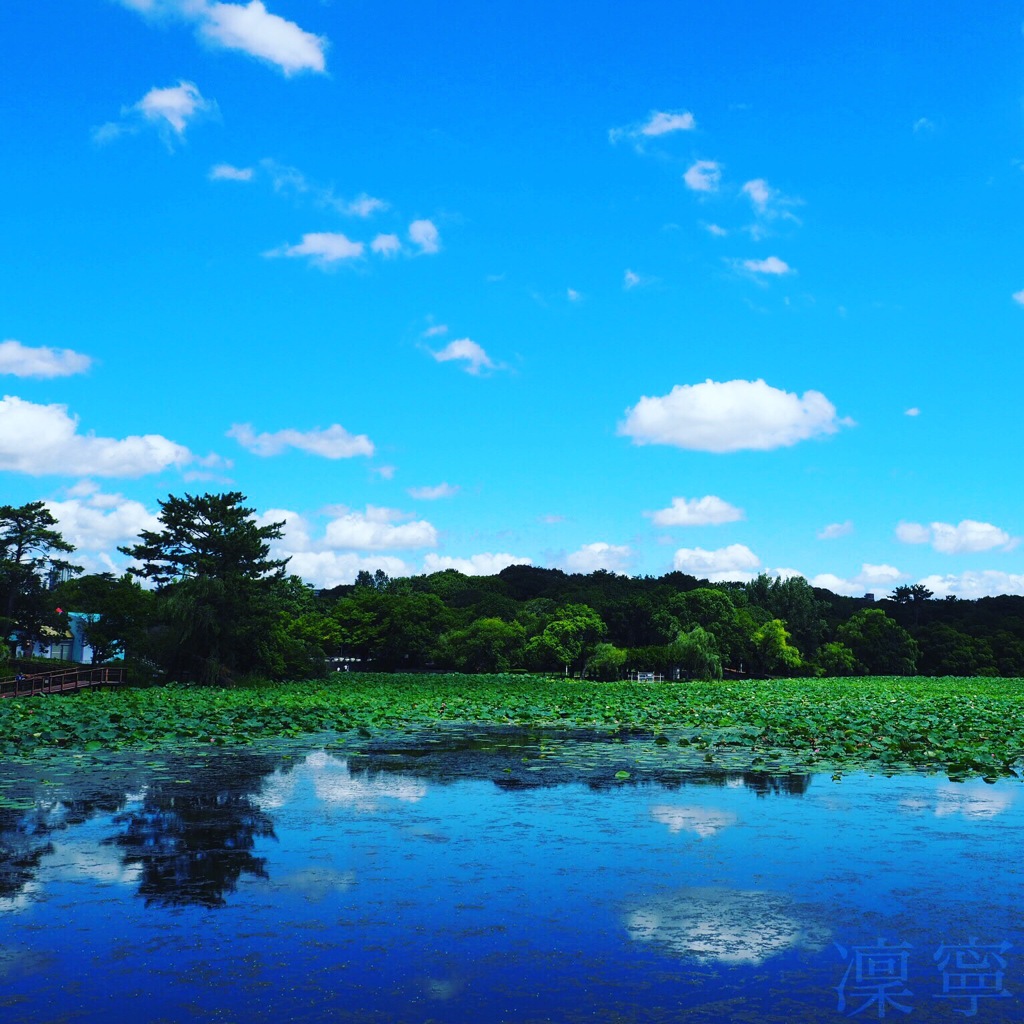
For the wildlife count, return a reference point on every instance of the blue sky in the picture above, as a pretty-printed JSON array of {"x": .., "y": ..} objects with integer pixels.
[{"x": 725, "y": 288}]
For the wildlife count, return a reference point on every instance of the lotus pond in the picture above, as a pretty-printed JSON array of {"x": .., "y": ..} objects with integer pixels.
[{"x": 410, "y": 864}]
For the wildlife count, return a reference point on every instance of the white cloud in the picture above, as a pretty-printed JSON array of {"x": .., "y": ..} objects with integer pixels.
[
  {"x": 734, "y": 562},
  {"x": 662, "y": 122},
  {"x": 250, "y": 28},
  {"x": 913, "y": 533},
  {"x": 425, "y": 234},
  {"x": 630, "y": 280},
  {"x": 485, "y": 564},
  {"x": 444, "y": 490},
  {"x": 470, "y": 352},
  {"x": 364, "y": 206},
  {"x": 376, "y": 530},
  {"x": 100, "y": 522},
  {"x": 1018, "y": 297},
  {"x": 333, "y": 568},
  {"x": 759, "y": 193},
  {"x": 923, "y": 124},
  {"x": 43, "y": 439},
  {"x": 170, "y": 110},
  {"x": 335, "y": 442},
  {"x": 879, "y": 575},
  {"x": 769, "y": 205},
  {"x": 174, "y": 106},
  {"x": 322, "y": 247},
  {"x": 834, "y": 530},
  {"x": 22, "y": 361},
  {"x": 254, "y": 30},
  {"x": 659, "y": 122},
  {"x": 913, "y": 412},
  {"x": 730, "y": 416},
  {"x": 770, "y": 265},
  {"x": 228, "y": 172},
  {"x": 706, "y": 511},
  {"x": 967, "y": 536},
  {"x": 870, "y": 578},
  {"x": 590, "y": 557},
  {"x": 386, "y": 245},
  {"x": 703, "y": 176},
  {"x": 974, "y": 584},
  {"x": 703, "y": 821},
  {"x": 572, "y": 295},
  {"x": 715, "y": 229}
]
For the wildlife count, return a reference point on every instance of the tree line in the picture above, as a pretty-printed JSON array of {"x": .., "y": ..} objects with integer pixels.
[{"x": 205, "y": 602}]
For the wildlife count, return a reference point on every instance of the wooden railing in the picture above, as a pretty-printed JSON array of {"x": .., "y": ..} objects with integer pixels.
[{"x": 66, "y": 681}]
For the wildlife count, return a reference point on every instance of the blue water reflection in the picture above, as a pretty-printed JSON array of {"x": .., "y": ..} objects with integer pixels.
[{"x": 490, "y": 878}]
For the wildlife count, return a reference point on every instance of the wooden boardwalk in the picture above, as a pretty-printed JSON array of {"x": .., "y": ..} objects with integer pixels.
[{"x": 66, "y": 681}]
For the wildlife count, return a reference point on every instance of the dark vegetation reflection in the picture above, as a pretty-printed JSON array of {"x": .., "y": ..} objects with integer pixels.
[{"x": 189, "y": 822}]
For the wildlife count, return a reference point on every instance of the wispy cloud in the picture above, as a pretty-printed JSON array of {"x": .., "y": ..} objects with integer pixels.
[
  {"x": 443, "y": 490},
  {"x": 228, "y": 172},
  {"x": 835, "y": 530},
  {"x": 249, "y": 28},
  {"x": 323, "y": 248},
  {"x": 703, "y": 176},
  {"x": 770, "y": 265},
  {"x": 468, "y": 351},
  {"x": 658, "y": 123},
  {"x": 170, "y": 110},
  {"x": 20, "y": 360},
  {"x": 424, "y": 235},
  {"x": 335, "y": 442}
]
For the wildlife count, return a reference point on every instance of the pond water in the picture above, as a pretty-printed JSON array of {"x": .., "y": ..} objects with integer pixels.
[{"x": 493, "y": 876}]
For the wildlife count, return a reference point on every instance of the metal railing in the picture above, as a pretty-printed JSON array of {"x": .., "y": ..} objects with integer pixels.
[{"x": 66, "y": 681}]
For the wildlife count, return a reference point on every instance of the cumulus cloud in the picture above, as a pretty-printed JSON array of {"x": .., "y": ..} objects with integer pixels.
[
  {"x": 291, "y": 182},
  {"x": 703, "y": 176},
  {"x": 974, "y": 584},
  {"x": 323, "y": 248},
  {"x": 484, "y": 564},
  {"x": 249, "y": 28},
  {"x": 658, "y": 123},
  {"x": 377, "y": 529},
  {"x": 334, "y": 568},
  {"x": 23, "y": 361},
  {"x": 734, "y": 562},
  {"x": 335, "y": 442},
  {"x": 170, "y": 110},
  {"x": 706, "y": 511},
  {"x": 424, "y": 234},
  {"x": 386, "y": 245},
  {"x": 443, "y": 490},
  {"x": 770, "y": 265},
  {"x": 834, "y": 530},
  {"x": 98, "y": 522},
  {"x": 968, "y": 535},
  {"x": 228, "y": 172},
  {"x": 600, "y": 555},
  {"x": 870, "y": 577},
  {"x": 730, "y": 416},
  {"x": 468, "y": 351},
  {"x": 43, "y": 440}
]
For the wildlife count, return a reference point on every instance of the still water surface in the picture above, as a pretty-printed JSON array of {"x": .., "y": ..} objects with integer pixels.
[{"x": 490, "y": 877}]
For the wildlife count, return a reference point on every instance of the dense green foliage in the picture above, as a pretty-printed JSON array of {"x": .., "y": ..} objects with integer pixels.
[
  {"x": 221, "y": 610},
  {"x": 962, "y": 726}
]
